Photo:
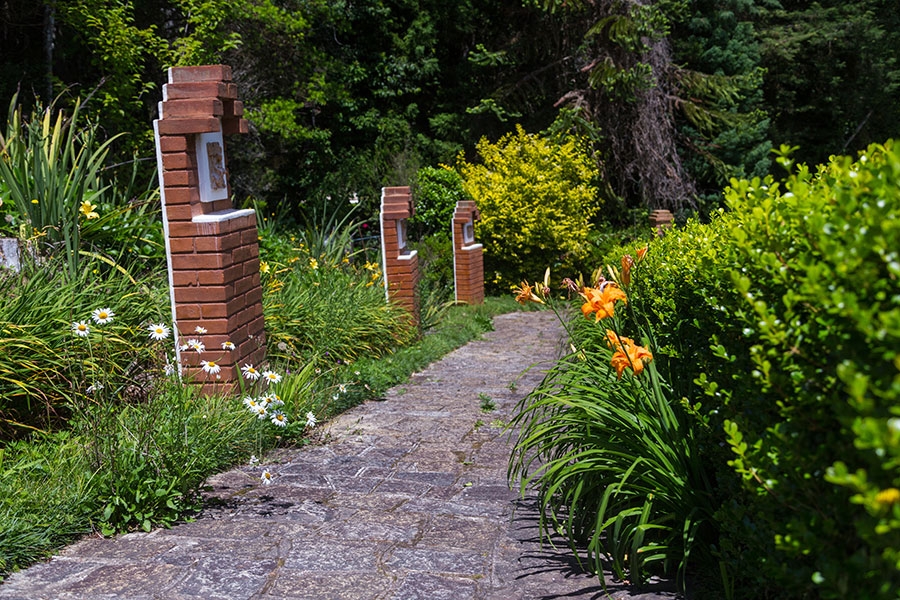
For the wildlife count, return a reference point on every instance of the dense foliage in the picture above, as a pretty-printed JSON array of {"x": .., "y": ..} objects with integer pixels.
[
  {"x": 536, "y": 200},
  {"x": 778, "y": 323},
  {"x": 346, "y": 97}
]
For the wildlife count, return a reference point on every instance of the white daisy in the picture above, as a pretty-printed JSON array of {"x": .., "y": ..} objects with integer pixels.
[
  {"x": 342, "y": 388},
  {"x": 195, "y": 345},
  {"x": 310, "y": 419},
  {"x": 158, "y": 332},
  {"x": 200, "y": 330},
  {"x": 250, "y": 373},
  {"x": 266, "y": 477},
  {"x": 102, "y": 316},
  {"x": 211, "y": 367},
  {"x": 261, "y": 412},
  {"x": 271, "y": 376},
  {"x": 278, "y": 418},
  {"x": 81, "y": 328},
  {"x": 228, "y": 345},
  {"x": 251, "y": 403},
  {"x": 253, "y": 460}
]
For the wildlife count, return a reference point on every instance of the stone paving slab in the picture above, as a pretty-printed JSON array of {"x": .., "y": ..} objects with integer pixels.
[{"x": 401, "y": 499}]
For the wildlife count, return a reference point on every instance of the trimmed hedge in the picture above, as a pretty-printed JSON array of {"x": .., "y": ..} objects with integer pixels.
[{"x": 782, "y": 319}]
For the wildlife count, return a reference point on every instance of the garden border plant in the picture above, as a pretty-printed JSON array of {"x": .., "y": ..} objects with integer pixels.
[{"x": 611, "y": 452}]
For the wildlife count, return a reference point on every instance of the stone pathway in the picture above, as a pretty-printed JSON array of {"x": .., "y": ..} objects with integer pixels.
[{"x": 403, "y": 499}]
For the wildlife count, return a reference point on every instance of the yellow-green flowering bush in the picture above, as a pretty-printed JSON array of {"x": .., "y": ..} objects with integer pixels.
[
  {"x": 784, "y": 313},
  {"x": 536, "y": 200}
]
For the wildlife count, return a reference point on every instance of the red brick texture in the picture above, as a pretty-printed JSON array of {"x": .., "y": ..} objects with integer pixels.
[
  {"x": 214, "y": 265},
  {"x": 401, "y": 267},
  {"x": 468, "y": 259}
]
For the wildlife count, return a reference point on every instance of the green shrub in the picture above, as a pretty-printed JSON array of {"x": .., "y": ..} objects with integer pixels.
[
  {"x": 785, "y": 313},
  {"x": 435, "y": 254},
  {"x": 436, "y": 191},
  {"x": 536, "y": 202}
]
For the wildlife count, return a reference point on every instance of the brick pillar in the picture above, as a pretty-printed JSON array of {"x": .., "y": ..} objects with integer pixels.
[
  {"x": 212, "y": 249},
  {"x": 468, "y": 257},
  {"x": 401, "y": 265},
  {"x": 661, "y": 220}
]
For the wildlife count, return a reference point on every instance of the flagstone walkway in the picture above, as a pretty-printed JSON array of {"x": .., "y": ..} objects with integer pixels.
[{"x": 400, "y": 499}]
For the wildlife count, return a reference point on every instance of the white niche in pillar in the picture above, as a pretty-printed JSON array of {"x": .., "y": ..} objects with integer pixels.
[
  {"x": 401, "y": 235},
  {"x": 211, "y": 167},
  {"x": 468, "y": 233}
]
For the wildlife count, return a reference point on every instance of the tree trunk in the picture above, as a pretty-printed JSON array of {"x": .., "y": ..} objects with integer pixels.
[{"x": 49, "y": 38}]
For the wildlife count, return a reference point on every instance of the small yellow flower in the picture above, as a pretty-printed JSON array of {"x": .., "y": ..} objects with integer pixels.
[
  {"x": 35, "y": 201},
  {"x": 888, "y": 497},
  {"x": 263, "y": 267},
  {"x": 87, "y": 209},
  {"x": 313, "y": 264}
]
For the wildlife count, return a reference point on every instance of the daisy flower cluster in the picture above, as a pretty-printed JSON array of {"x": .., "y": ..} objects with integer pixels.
[
  {"x": 100, "y": 316},
  {"x": 268, "y": 406},
  {"x": 210, "y": 367}
]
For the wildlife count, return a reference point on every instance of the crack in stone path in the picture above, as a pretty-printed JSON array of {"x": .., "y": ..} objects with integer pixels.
[{"x": 401, "y": 499}]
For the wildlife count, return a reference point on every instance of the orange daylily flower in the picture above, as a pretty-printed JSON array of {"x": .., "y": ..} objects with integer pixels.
[
  {"x": 627, "y": 263},
  {"x": 641, "y": 253},
  {"x": 631, "y": 355},
  {"x": 602, "y": 300},
  {"x": 614, "y": 340},
  {"x": 525, "y": 294}
]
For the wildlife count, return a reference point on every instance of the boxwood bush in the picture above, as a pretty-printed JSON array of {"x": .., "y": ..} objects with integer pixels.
[
  {"x": 781, "y": 318},
  {"x": 537, "y": 200}
]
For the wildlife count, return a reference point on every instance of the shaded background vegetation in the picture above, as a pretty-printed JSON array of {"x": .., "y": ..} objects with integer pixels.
[{"x": 675, "y": 95}]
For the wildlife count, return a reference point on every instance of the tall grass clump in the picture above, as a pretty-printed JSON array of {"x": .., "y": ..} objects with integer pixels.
[
  {"x": 38, "y": 307},
  {"x": 325, "y": 301},
  {"x": 58, "y": 195},
  {"x": 613, "y": 455}
]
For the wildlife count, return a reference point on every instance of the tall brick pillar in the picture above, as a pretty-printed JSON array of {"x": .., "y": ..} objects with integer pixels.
[
  {"x": 212, "y": 249},
  {"x": 401, "y": 265},
  {"x": 468, "y": 257}
]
